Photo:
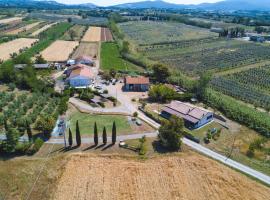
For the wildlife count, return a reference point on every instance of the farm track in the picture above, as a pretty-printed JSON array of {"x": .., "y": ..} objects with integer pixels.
[{"x": 186, "y": 176}]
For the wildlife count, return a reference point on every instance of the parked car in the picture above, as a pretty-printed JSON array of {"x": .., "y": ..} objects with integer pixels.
[{"x": 138, "y": 122}]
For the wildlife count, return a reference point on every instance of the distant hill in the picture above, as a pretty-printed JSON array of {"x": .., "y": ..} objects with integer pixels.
[
  {"x": 45, "y": 4},
  {"x": 222, "y": 5},
  {"x": 151, "y": 4}
]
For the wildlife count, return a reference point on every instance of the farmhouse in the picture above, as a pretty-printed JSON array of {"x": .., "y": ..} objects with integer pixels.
[
  {"x": 86, "y": 60},
  {"x": 136, "y": 84},
  {"x": 80, "y": 76},
  {"x": 194, "y": 117}
]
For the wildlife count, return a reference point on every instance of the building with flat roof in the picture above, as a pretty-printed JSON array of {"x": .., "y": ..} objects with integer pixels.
[{"x": 194, "y": 117}]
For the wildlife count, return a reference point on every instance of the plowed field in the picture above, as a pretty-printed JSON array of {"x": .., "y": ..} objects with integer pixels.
[
  {"x": 106, "y": 35},
  {"x": 14, "y": 46},
  {"x": 93, "y": 34},
  {"x": 86, "y": 49},
  {"x": 186, "y": 177},
  {"x": 59, "y": 51}
]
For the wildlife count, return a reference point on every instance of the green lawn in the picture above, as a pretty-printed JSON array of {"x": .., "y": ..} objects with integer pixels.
[
  {"x": 111, "y": 58},
  {"x": 86, "y": 123}
]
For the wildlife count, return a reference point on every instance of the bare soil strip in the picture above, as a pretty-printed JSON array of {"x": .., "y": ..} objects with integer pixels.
[
  {"x": 22, "y": 29},
  {"x": 14, "y": 46},
  {"x": 187, "y": 176},
  {"x": 93, "y": 34},
  {"x": 10, "y": 20},
  {"x": 86, "y": 49},
  {"x": 59, "y": 51}
]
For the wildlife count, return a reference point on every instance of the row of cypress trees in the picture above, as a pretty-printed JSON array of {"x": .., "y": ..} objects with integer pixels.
[{"x": 104, "y": 135}]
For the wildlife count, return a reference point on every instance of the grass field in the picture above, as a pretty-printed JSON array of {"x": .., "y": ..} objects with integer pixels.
[
  {"x": 77, "y": 30},
  {"x": 19, "y": 174},
  {"x": 44, "y": 28},
  {"x": 149, "y": 32},
  {"x": 111, "y": 59},
  {"x": 86, "y": 123}
]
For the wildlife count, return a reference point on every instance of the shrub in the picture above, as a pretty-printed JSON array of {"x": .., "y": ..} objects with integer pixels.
[
  {"x": 35, "y": 147},
  {"x": 135, "y": 114}
]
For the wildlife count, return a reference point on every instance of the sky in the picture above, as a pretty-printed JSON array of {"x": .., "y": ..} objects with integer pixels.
[{"x": 115, "y": 2}]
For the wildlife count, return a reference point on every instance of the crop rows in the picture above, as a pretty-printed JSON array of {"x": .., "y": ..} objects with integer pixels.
[
  {"x": 252, "y": 86},
  {"x": 217, "y": 58},
  {"x": 149, "y": 32},
  {"x": 24, "y": 108}
]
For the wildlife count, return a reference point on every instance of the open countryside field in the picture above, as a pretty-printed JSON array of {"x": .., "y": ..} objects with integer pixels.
[
  {"x": 23, "y": 29},
  {"x": 59, "y": 51},
  {"x": 106, "y": 35},
  {"x": 10, "y": 20},
  {"x": 93, "y": 34},
  {"x": 14, "y": 46},
  {"x": 111, "y": 59},
  {"x": 90, "y": 49},
  {"x": 149, "y": 32},
  {"x": 186, "y": 176},
  {"x": 196, "y": 56},
  {"x": 44, "y": 28},
  {"x": 251, "y": 86},
  {"x": 75, "y": 33}
]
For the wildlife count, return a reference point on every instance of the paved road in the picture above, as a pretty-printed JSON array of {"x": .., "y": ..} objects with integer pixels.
[
  {"x": 91, "y": 140},
  {"x": 131, "y": 108}
]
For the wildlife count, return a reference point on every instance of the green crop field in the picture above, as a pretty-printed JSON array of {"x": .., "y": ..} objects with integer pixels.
[
  {"x": 149, "y": 32},
  {"x": 251, "y": 86},
  {"x": 86, "y": 123},
  {"x": 111, "y": 59}
]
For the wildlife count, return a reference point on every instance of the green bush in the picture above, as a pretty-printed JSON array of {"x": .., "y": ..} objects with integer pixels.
[{"x": 35, "y": 147}]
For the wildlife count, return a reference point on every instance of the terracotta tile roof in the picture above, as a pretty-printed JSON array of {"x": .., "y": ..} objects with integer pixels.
[
  {"x": 137, "y": 80},
  {"x": 82, "y": 71}
]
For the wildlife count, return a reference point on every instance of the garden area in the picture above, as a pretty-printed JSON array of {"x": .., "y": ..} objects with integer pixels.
[{"x": 125, "y": 125}]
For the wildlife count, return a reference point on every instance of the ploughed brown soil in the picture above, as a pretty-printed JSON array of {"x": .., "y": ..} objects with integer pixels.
[{"x": 187, "y": 176}]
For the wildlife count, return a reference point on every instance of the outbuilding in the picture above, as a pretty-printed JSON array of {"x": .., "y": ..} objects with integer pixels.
[
  {"x": 86, "y": 60},
  {"x": 136, "y": 84}
]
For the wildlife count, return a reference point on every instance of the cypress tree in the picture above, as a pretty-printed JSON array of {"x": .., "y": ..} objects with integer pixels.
[
  {"x": 29, "y": 131},
  {"x": 95, "y": 134},
  {"x": 104, "y": 136},
  {"x": 78, "y": 134},
  {"x": 113, "y": 133},
  {"x": 70, "y": 141}
]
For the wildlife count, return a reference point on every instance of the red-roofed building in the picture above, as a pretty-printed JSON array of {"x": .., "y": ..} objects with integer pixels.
[
  {"x": 80, "y": 76},
  {"x": 136, "y": 84},
  {"x": 194, "y": 117}
]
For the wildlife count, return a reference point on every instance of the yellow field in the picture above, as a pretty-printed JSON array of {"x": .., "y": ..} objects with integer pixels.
[
  {"x": 183, "y": 177},
  {"x": 14, "y": 46},
  {"x": 93, "y": 34},
  {"x": 23, "y": 29},
  {"x": 44, "y": 28},
  {"x": 59, "y": 51},
  {"x": 10, "y": 20}
]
